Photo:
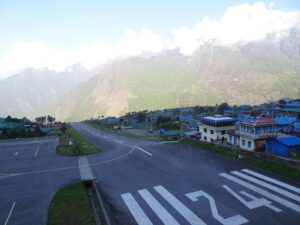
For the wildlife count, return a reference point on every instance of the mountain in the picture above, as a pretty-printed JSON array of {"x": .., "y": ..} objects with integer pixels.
[
  {"x": 30, "y": 92},
  {"x": 249, "y": 73}
]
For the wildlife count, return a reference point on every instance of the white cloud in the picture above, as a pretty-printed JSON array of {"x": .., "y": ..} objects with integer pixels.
[{"x": 243, "y": 23}]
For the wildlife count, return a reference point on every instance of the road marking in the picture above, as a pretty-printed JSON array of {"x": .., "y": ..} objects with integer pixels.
[
  {"x": 167, "y": 142},
  {"x": 137, "y": 212},
  {"x": 120, "y": 142},
  {"x": 160, "y": 211},
  {"x": 68, "y": 168},
  {"x": 36, "y": 152},
  {"x": 85, "y": 169},
  {"x": 262, "y": 192},
  {"x": 142, "y": 150},
  {"x": 10, "y": 212},
  {"x": 254, "y": 203},
  {"x": 266, "y": 185},
  {"x": 233, "y": 220},
  {"x": 287, "y": 186},
  {"x": 191, "y": 217}
]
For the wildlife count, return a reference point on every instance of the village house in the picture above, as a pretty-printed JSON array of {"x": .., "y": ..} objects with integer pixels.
[
  {"x": 252, "y": 135},
  {"x": 214, "y": 128}
]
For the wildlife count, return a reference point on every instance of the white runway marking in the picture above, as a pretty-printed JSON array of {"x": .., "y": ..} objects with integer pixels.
[
  {"x": 36, "y": 152},
  {"x": 118, "y": 141},
  {"x": 142, "y": 150},
  {"x": 160, "y": 211},
  {"x": 254, "y": 203},
  {"x": 287, "y": 186},
  {"x": 234, "y": 220},
  {"x": 9, "y": 214},
  {"x": 85, "y": 169},
  {"x": 266, "y": 185},
  {"x": 139, "y": 215},
  {"x": 263, "y": 192},
  {"x": 191, "y": 217}
]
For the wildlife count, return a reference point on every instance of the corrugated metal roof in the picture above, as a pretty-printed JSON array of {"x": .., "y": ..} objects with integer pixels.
[
  {"x": 289, "y": 141},
  {"x": 172, "y": 132},
  {"x": 284, "y": 120},
  {"x": 292, "y": 105}
]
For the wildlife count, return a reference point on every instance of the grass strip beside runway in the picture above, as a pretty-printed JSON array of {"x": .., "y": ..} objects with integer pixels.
[
  {"x": 80, "y": 145},
  {"x": 274, "y": 167},
  {"x": 70, "y": 206}
]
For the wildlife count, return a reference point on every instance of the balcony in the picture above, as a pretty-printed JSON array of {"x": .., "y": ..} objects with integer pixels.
[{"x": 255, "y": 136}]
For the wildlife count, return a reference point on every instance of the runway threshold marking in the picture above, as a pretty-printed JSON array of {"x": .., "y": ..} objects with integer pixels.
[
  {"x": 138, "y": 214},
  {"x": 36, "y": 152},
  {"x": 9, "y": 214},
  {"x": 287, "y": 186},
  {"x": 143, "y": 150},
  {"x": 267, "y": 185},
  {"x": 263, "y": 192},
  {"x": 160, "y": 211}
]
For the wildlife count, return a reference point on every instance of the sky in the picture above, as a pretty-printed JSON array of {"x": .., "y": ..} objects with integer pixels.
[{"x": 58, "y": 33}]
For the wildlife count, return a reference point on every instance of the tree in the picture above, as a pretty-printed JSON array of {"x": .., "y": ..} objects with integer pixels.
[
  {"x": 162, "y": 119},
  {"x": 221, "y": 108},
  {"x": 282, "y": 101},
  {"x": 50, "y": 119},
  {"x": 141, "y": 117}
]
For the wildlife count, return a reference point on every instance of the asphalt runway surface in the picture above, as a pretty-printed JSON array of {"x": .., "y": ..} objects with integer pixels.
[
  {"x": 30, "y": 174},
  {"x": 143, "y": 183}
]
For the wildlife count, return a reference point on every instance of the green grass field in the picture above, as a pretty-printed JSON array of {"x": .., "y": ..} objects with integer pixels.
[
  {"x": 80, "y": 147},
  {"x": 70, "y": 206},
  {"x": 273, "y": 167}
]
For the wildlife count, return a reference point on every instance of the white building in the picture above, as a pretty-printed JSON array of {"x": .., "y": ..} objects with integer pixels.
[
  {"x": 215, "y": 127},
  {"x": 252, "y": 135}
]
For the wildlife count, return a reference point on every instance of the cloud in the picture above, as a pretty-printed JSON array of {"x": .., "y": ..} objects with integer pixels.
[
  {"x": 243, "y": 23},
  {"x": 239, "y": 24}
]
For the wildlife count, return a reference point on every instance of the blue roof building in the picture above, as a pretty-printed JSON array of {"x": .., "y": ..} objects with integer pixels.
[
  {"x": 283, "y": 123},
  {"x": 183, "y": 118},
  {"x": 282, "y": 146},
  {"x": 228, "y": 111}
]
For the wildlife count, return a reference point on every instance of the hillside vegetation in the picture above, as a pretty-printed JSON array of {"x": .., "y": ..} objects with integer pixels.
[{"x": 252, "y": 73}]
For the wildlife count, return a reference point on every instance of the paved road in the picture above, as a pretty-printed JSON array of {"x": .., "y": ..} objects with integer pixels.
[
  {"x": 143, "y": 183},
  {"x": 153, "y": 183},
  {"x": 30, "y": 174}
]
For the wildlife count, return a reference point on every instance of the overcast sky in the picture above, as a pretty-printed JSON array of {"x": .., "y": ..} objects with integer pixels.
[{"x": 56, "y": 34}]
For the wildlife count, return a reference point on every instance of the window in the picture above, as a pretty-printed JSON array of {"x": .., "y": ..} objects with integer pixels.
[
  {"x": 205, "y": 138},
  {"x": 249, "y": 144},
  {"x": 223, "y": 132},
  {"x": 211, "y": 132},
  {"x": 211, "y": 140},
  {"x": 230, "y": 138},
  {"x": 243, "y": 142},
  {"x": 205, "y": 130}
]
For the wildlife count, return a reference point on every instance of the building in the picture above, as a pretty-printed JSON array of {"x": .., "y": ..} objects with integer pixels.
[
  {"x": 214, "y": 128},
  {"x": 283, "y": 146},
  {"x": 252, "y": 135},
  {"x": 284, "y": 123},
  {"x": 233, "y": 137}
]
